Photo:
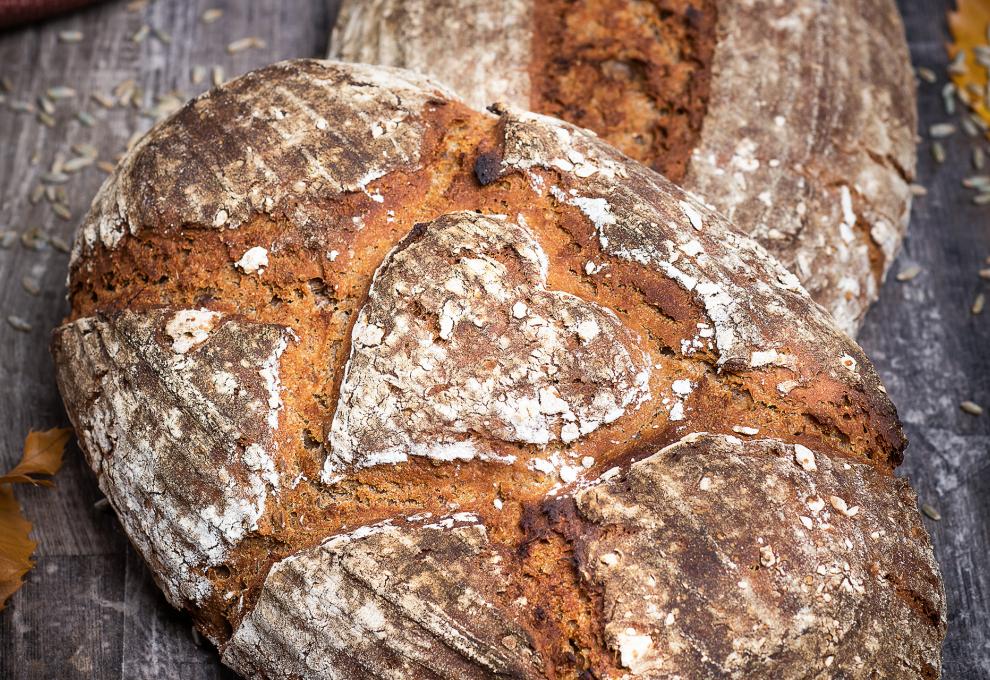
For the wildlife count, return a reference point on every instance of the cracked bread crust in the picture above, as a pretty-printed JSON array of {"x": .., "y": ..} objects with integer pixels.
[
  {"x": 796, "y": 120},
  {"x": 196, "y": 344}
]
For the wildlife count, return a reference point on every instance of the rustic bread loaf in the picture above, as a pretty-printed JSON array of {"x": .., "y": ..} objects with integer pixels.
[
  {"x": 794, "y": 119},
  {"x": 381, "y": 386}
]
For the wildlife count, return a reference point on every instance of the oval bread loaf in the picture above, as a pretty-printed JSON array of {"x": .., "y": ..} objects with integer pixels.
[
  {"x": 794, "y": 119},
  {"x": 381, "y": 386}
]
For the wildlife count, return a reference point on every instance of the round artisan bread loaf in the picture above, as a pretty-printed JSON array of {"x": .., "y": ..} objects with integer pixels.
[
  {"x": 382, "y": 386},
  {"x": 794, "y": 119}
]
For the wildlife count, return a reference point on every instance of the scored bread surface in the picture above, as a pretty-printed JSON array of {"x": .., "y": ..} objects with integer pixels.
[
  {"x": 383, "y": 386},
  {"x": 794, "y": 119}
]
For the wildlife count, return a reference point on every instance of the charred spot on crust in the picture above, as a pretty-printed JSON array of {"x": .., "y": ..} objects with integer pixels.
[{"x": 487, "y": 168}]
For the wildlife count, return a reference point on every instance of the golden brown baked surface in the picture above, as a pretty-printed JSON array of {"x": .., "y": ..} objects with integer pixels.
[
  {"x": 794, "y": 119},
  {"x": 637, "y": 73},
  {"x": 382, "y": 386}
]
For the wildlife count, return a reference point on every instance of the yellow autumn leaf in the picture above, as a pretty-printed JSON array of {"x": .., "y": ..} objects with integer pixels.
[
  {"x": 42, "y": 456},
  {"x": 970, "y": 24},
  {"x": 16, "y": 545}
]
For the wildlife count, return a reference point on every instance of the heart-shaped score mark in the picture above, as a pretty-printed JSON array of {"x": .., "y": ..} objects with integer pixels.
[{"x": 461, "y": 349}]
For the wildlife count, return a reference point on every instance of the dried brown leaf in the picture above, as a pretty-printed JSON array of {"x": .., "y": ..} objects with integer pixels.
[
  {"x": 42, "y": 456},
  {"x": 16, "y": 545}
]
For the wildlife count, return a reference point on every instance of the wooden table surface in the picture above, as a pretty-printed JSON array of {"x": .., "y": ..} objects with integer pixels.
[{"x": 90, "y": 609}]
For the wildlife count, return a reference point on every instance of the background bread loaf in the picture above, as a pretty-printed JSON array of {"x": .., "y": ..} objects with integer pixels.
[
  {"x": 383, "y": 386},
  {"x": 796, "y": 119}
]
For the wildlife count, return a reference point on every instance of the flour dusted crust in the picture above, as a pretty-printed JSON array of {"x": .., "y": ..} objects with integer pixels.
[
  {"x": 448, "y": 425},
  {"x": 791, "y": 561},
  {"x": 181, "y": 413},
  {"x": 402, "y": 601},
  {"x": 807, "y": 116},
  {"x": 556, "y": 367}
]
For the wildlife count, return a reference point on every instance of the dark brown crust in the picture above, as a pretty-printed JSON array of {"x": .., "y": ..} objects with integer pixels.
[
  {"x": 637, "y": 73},
  {"x": 773, "y": 361}
]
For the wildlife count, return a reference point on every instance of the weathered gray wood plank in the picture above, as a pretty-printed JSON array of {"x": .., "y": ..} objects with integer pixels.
[
  {"x": 90, "y": 608},
  {"x": 933, "y": 353}
]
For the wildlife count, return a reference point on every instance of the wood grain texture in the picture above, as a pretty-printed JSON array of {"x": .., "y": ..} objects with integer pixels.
[
  {"x": 932, "y": 354},
  {"x": 90, "y": 608}
]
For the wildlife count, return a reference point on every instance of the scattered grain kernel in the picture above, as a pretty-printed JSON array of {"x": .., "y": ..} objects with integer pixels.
[
  {"x": 78, "y": 163},
  {"x": 931, "y": 512},
  {"x": 611, "y": 559},
  {"x": 60, "y": 92},
  {"x": 70, "y": 36},
  {"x": 62, "y": 211},
  {"x": 30, "y": 285},
  {"x": 103, "y": 100},
  {"x": 938, "y": 152},
  {"x": 971, "y": 407},
  {"x": 958, "y": 64},
  {"x": 22, "y": 107},
  {"x": 87, "y": 150},
  {"x": 59, "y": 244},
  {"x": 53, "y": 177},
  {"x": 210, "y": 15},
  {"x": 840, "y": 505},
  {"x": 979, "y": 302},
  {"x": 942, "y": 130},
  {"x": 805, "y": 458},
  {"x": 743, "y": 429},
  {"x": 767, "y": 558},
  {"x": 19, "y": 324},
  {"x": 918, "y": 190},
  {"x": 245, "y": 44},
  {"x": 908, "y": 273},
  {"x": 86, "y": 119}
]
